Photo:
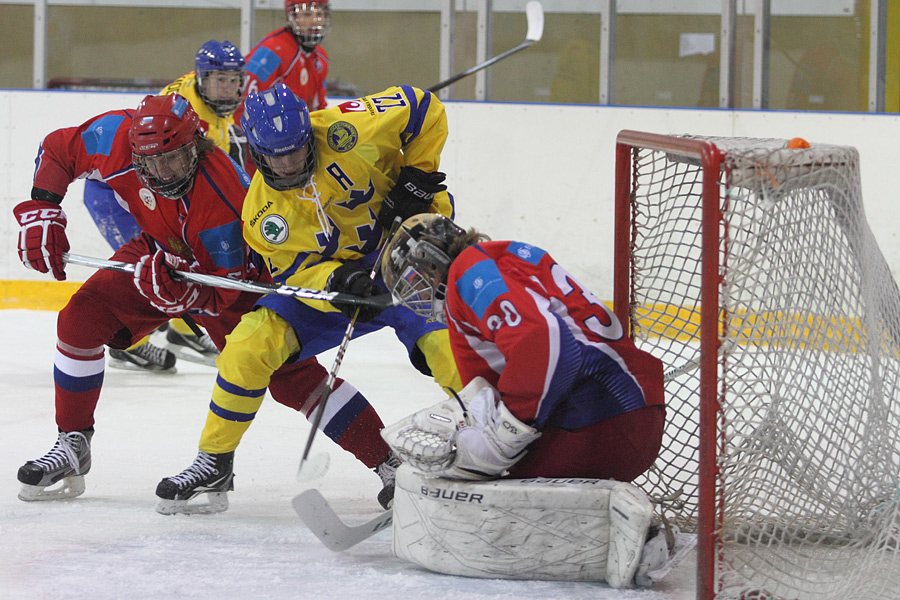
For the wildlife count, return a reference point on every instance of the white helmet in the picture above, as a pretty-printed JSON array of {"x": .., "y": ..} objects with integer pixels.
[{"x": 416, "y": 262}]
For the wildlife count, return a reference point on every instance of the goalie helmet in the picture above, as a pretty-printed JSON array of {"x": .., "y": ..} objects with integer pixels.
[
  {"x": 163, "y": 144},
  {"x": 220, "y": 76},
  {"x": 282, "y": 144},
  {"x": 308, "y": 21},
  {"x": 416, "y": 263}
]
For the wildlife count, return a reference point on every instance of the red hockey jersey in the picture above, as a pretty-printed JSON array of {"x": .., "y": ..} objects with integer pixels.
[
  {"x": 555, "y": 352},
  {"x": 278, "y": 58},
  {"x": 203, "y": 226}
]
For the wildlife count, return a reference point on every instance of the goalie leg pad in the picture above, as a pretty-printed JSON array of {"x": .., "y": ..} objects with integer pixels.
[
  {"x": 550, "y": 529},
  {"x": 630, "y": 514}
]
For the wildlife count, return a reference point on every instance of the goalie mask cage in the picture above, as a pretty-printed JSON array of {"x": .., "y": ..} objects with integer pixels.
[{"x": 750, "y": 270}]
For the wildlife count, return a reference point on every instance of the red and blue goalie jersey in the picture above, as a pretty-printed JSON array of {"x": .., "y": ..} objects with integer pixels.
[
  {"x": 556, "y": 353},
  {"x": 203, "y": 226}
]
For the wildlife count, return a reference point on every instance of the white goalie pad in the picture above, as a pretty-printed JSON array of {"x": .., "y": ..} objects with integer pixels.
[{"x": 552, "y": 529}]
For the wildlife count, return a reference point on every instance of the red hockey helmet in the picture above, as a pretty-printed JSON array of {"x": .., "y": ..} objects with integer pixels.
[{"x": 163, "y": 146}]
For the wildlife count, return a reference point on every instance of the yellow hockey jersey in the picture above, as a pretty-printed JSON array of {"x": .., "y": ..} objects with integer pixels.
[
  {"x": 305, "y": 234},
  {"x": 216, "y": 127}
]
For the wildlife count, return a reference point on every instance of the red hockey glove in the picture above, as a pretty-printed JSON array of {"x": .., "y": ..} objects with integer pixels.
[
  {"x": 154, "y": 281},
  {"x": 42, "y": 236}
]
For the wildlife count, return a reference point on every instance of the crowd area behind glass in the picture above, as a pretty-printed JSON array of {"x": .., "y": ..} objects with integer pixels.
[{"x": 818, "y": 58}]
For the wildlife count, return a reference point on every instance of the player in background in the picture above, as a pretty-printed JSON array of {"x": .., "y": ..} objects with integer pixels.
[
  {"x": 213, "y": 89},
  {"x": 186, "y": 195},
  {"x": 327, "y": 186},
  {"x": 547, "y": 366},
  {"x": 293, "y": 55}
]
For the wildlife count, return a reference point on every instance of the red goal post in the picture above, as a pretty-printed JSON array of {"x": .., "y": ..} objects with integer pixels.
[{"x": 750, "y": 270}]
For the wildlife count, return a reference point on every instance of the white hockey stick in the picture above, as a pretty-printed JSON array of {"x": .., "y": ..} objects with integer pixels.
[
  {"x": 314, "y": 510},
  {"x": 534, "y": 13},
  {"x": 259, "y": 287},
  {"x": 338, "y": 359}
]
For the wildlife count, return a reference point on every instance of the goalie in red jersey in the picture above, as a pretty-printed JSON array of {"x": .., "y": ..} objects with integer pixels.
[
  {"x": 553, "y": 386},
  {"x": 186, "y": 195}
]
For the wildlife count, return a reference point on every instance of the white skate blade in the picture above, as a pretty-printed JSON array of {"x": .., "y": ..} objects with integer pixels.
[
  {"x": 216, "y": 502},
  {"x": 314, "y": 467},
  {"x": 684, "y": 543},
  {"x": 125, "y": 365},
  {"x": 70, "y": 487},
  {"x": 185, "y": 353}
]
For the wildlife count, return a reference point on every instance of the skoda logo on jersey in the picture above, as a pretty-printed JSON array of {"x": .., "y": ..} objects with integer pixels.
[
  {"x": 524, "y": 252},
  {"x": 274, "y": 229},
  {"x": 478, "y": 283},
  {"x": 147, "y": 198},
  {"x": 342, "y": 136}
]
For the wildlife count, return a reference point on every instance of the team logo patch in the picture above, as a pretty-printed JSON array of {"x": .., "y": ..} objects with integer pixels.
[
  {"x": 147, "y": 198},
  {"x": 274, "y": 229},
  {"x": 342, "y": 136}
]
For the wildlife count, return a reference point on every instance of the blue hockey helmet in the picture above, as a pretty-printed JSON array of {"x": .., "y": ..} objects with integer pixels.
[
  {"x": 282, "y": 143},
  {"x": 220, "y": 76}
]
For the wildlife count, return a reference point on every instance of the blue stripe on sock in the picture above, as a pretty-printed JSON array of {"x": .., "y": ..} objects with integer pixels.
[
  {"x": 235, "y": 390},
  {"x": 230, "y": 415},
  {"x": 77, "y": 384},
  {"x": 345, "y": 417}
]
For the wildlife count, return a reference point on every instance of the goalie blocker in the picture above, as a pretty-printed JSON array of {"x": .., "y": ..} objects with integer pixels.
[{"x": 551, "y": 529}]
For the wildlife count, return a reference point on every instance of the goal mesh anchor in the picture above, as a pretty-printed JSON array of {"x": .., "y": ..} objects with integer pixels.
[{"x": 782, "y": 445}]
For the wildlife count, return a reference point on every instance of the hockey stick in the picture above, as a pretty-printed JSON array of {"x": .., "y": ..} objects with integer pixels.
[
  {"x": 259, "y": 287},
  {"x": 314, "y": 510},
  {"x": 339, "y": 358},
  {"x": 534, "y": 13}
]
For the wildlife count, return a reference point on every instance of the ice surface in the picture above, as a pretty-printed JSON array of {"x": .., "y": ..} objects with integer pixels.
[{"x": 110, "y": 544}]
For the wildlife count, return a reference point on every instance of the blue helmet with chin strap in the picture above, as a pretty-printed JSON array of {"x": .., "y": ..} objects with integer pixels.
[
  {"x": 276, "y": 123},
  {"x": 215, "y": 57}
]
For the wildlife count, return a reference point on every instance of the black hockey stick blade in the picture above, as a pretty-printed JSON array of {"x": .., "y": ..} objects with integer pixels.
[
  {"x": 259, "y": 287},
  {"x": 314, "y": 510},
  {"x": 534, "y": 13}
]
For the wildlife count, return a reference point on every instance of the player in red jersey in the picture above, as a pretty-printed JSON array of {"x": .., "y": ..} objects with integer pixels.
[
  {"x": 293, "y": 55},
  {"x": 186, "y": 195},
  {"x": 546, "y": 365}
]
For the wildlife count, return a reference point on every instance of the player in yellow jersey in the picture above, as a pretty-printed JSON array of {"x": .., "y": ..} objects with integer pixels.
[{"x": 329, "y": 185}]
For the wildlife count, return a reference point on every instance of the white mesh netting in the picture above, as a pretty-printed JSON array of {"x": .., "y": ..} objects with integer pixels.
[{"x": 809, "y": 366}]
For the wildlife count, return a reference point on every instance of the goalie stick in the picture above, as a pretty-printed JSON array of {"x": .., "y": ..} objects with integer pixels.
[
  {"x": 314, "y": 510},
  {"x": 259, "y": 287},
  {"x": 534, "y": 13}
]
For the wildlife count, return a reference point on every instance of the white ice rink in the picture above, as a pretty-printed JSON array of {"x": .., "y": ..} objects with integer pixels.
[{"x": 110, "y": 544}]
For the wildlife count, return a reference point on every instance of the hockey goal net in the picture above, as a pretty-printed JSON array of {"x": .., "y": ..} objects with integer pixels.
[{"x": 750, "y": 270}]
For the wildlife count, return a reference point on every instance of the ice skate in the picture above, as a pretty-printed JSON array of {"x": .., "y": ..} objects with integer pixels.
[
  {"x": 211, "y": 474},
  {"x": 146, "y": 357},
  {"x": 388, "y": 473},
  {"x": 68, "y": 461},
  {"x": 192, "y": 348}
]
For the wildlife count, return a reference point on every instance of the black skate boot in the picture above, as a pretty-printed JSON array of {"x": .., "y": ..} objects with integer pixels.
[
  {"x": 69, "y": 460},
  {"x": 211, "y": 474},
  {"x": 146, "y": 357},
  {"x": 192, "y": 348},
  {"x": 388, "y": 473}
]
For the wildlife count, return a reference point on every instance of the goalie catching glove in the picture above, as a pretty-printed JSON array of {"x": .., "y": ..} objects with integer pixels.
[
  {"x": 42, "y": 236},
  {"x": 153, "y": 279},
  {"x": 479, "y": 443},
  {"x": 413, "y": 194}
]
